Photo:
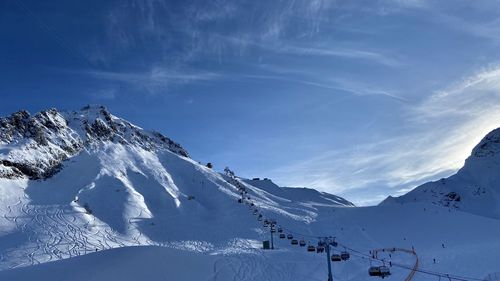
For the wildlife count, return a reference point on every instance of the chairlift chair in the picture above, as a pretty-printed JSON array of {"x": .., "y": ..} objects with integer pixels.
[
  {"x": 336, "y": 257},
  {"x": 345, "y": 255},
  {"x": 380, "y": 271},
  {"x": 374, "y": 271},
  {"x": 384, "y": 271}
]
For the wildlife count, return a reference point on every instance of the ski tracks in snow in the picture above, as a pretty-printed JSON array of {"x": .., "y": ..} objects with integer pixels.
[{"x": 54, "y": 232}]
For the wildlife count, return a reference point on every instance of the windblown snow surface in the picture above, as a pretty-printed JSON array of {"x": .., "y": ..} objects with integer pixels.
[{"x": 126, "y": 204}]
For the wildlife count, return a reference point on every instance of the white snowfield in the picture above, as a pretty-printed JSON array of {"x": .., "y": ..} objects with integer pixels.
[{"x": 124, "y": 208}]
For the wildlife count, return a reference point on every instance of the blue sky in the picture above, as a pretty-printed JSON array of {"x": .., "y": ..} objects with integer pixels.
[{"x": 363, "y": 99}]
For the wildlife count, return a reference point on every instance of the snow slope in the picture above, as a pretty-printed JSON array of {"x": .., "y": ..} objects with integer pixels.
[
  {"x": 475, "y": 188},
  {"x": 470, "y": 250},
  {"x": 76, "y": 198},
  {"x": 119, "y": 186},
  {"x": 305, "y": 196}
]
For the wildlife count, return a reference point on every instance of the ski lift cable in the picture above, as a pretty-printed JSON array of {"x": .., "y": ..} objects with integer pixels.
[
  {"x": 428, "y": 272},
  {"x": 420, "y": 270},
  {"x": 365, "y": 256},
  {"x": 305, "y": 235}
]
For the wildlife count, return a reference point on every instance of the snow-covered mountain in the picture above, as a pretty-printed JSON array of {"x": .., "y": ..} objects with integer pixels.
[
  {"x": 78, "y": 189},
  {"x": 35, "y": 146},
  {"x": 81, "y": 181},
  {"x": 475, "y": 188}
]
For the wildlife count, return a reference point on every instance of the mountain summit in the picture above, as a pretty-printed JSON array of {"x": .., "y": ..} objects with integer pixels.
[
  {"x": 35, "y": 146},
  {"x": 475, "y": 188}
]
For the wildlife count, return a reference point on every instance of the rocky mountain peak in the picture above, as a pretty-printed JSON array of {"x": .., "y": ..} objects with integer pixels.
[
  {"x": 489, "y": 145},
  {"x": 35, "y": 146}
]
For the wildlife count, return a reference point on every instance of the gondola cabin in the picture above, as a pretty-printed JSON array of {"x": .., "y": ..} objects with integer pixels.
[
  {"x": 302, "y": 243},
  {"x": 282, "y": 236},
  {"x": 311, "y": 248},
  {"x": 295, "y": 242},
  {"x": 289, "y": 236}
]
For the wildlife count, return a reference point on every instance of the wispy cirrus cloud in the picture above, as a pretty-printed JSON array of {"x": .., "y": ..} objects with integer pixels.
[
  {"x": 155, "y": 80},
  {"x": 304, "y": 76},
  {"x": 337, "y": 85},
  {"x": 303, "y": 43},
  {"x": 156, "y": 75},
  {"x": 371, "y": 56},
  {"x": 333, "y": 51},
  {"x": 441, "y": 132}
]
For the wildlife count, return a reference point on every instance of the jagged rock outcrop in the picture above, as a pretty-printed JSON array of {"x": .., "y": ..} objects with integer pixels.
[{"x": 36, "y": 146}]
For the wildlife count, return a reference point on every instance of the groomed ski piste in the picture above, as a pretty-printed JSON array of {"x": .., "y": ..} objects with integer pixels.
[{"x": 119, "y": 211}]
